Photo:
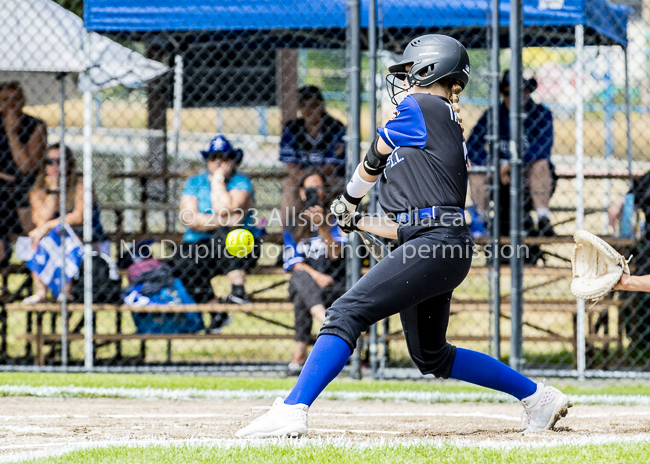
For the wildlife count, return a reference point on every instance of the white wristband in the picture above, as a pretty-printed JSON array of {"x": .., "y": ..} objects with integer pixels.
[{"x": 357, "y": 187}]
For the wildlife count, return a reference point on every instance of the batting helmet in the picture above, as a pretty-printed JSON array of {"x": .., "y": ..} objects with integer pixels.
[
  {"x": 432, "y": 57},
  {"x": 220, "y": 147}
]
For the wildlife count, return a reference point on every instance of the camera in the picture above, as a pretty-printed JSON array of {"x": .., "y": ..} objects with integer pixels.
[{"x": 311, "y": 197}]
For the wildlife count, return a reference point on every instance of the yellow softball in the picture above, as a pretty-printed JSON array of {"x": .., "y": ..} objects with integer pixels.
[{"x": 239, "y": 242}]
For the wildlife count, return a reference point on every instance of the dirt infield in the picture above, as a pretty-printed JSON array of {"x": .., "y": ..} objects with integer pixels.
[{"x": 40, "y": 424}]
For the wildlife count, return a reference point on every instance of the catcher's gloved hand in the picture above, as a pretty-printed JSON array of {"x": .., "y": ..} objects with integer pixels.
[
  {"x": 597, "y": 267},
  {"x": 346, "y": 213}
]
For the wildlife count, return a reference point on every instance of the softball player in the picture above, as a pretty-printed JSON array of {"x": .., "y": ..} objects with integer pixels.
[{"x": 418, "y": 160}]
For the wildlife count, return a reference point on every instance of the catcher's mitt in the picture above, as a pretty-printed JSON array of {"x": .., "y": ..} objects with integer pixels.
[{"x": 597, "y": 267}]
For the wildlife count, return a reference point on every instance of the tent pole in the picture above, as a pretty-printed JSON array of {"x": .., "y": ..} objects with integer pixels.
[
  {"x": 580, "y": 181},
  {"x": 178, "y": 104},
  {"x": 628, "y": 109},
  {"x": 353, "y": 52},
  {"x": 495, "y": 272},
  {"x": 516, "y": 293},
  {"x": 62, "y": 233},
  {"x": 383, "y": 359},
  {"x": 372, "y": 208}
]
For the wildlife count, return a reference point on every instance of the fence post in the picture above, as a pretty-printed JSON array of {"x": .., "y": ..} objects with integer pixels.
[
  {"x": 88, "y": 230},
  {"x": 580, "y": 182},
  {"x": 63, "y": 233},
  {"x": 372, "y": 207},
  {"x": 495, "y": 272},
  {"x": 88, "y": 211},
  {"x": 516, "y": 294},
  {"x": 353, "y": 52}
]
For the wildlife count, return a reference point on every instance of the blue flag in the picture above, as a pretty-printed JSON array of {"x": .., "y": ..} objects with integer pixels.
[{"x": 47, "y": 261}]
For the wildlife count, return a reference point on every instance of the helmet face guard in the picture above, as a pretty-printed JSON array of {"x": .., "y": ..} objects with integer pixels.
[
  {"x": 397, "y": 83},
  {"x": 432, "y": 57}
]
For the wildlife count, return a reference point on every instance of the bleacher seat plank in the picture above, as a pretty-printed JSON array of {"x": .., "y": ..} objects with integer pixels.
[
  {"x": 76, "y": 307},
  {"x": 136, "y": 336},
  {"x": 558, "y": 240}
]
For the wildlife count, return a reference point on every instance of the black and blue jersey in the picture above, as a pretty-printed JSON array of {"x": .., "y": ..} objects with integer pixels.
[
  {"x": 428, "y": 164},
  {"x": 537, "y": 141},
  {"x": 313, "y": 252},
  {"x": 296, "y": 146}
]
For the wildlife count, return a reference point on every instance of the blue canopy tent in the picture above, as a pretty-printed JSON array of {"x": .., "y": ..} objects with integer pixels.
[{"x": 546, "y": 22}]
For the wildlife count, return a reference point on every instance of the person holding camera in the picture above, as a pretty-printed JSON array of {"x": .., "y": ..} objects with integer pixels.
[
  {"x": 313, "y": 254},
  {"x": 212, "y": 204}
]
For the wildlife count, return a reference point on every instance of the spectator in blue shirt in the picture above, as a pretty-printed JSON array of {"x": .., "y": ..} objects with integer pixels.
[
  {"x": 313, "y": 254},
  {"x": 212, "y": 204},
  {"x": 314, "y": 140},
  {"x": 538, "y": 169}
]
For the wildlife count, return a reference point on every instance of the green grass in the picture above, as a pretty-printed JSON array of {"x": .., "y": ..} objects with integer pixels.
[
  {"x": 394, "y": 454},
  {"x": 241, "y": 383}
]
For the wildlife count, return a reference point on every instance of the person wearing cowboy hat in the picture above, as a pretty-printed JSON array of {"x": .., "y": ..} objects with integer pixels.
[{"x": 212, "y": 204}]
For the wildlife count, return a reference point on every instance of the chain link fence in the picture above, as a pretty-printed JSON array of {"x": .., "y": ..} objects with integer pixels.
[{"x": 182, "y": 121}]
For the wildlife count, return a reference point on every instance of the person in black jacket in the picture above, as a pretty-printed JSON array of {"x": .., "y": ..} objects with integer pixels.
[
  {"x": 315, "y": 140},
  {"x": 538, "y": 169},
  {"x": 23, "y": 142}
]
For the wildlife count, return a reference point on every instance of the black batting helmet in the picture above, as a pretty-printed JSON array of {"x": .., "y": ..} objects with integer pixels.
[{"x": 433, "y": 57}]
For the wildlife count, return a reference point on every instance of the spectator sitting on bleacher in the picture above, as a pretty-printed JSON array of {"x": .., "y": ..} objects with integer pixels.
[
  {"x": 538, "y": 169},
  {"x": 23, "y": 139},
  {"x": 313, "y": 254},
  {"x": 44, "y": 200},
  {"x": 314, "y": 140},
  {"x": 212, "y": 204}
]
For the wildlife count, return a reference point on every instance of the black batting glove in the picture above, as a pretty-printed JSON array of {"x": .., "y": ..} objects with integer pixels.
[
  {"x": 344, "y": 208},
  {"x": 351, "y": 225}
]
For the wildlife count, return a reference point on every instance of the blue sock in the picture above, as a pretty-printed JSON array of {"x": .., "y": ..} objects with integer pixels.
[
  {"x": 481, "y": 369},
  {"x": 325, "y": 362}
]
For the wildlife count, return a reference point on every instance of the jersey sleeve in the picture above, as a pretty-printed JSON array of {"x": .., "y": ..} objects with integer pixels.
[
  {"x": 336, "y": 153},
  {"x": 407, "y": 128},
  {"x": 288, "y": 151},
  {"x": 338, "y": 235},
  {"x": 290, "y": 255},
  {"x": 476, "y": 142}
]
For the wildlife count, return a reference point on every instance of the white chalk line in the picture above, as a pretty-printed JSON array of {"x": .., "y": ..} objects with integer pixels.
[
  {"x": 423, "y": 414},
  {"x": 341, "y": 442},
  {"x": 114, "y": 416},
  {"x": 193, "y": 393},
  {"x": 386, "y": 432}
]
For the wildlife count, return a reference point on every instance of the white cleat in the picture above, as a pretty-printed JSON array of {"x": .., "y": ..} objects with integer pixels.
[
  {"x": 543, "y": 408},
  {"x": 282, "y": 420}
]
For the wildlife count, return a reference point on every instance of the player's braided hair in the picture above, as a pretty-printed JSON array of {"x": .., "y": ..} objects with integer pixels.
[{"x": 454, "y": 88}]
